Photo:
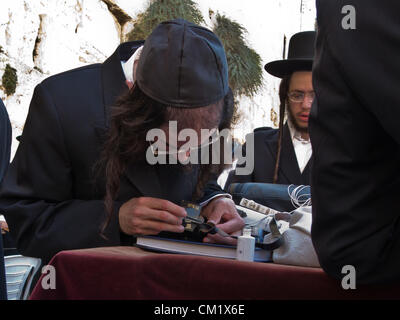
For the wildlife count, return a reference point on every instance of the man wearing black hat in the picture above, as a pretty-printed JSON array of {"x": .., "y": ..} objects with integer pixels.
[
  {"x": 282, "y": 155},
  {"x": 80, "y": 177},
  {"x": 355, "y": 133}
]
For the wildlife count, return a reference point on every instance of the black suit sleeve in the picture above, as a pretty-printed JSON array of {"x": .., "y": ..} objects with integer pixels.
[
  {"x": 211, "y": 190},
  {"x": 5, "y": 146},
  {"x": 37, "y": 196},
  {"x": 5, "y": 140}
]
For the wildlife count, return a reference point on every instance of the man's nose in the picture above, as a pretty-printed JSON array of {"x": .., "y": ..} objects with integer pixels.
[{"x": 307, "y": 102}]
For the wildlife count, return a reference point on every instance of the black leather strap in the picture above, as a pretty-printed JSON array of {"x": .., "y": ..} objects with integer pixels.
[{"x": 276, "y": 235}]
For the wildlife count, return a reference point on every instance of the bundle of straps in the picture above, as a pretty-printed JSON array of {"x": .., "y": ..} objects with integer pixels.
[{"x": 287, "y": 234}]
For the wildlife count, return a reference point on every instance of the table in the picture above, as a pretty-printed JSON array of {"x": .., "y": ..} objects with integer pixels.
[{"x": 132, "y": 273}]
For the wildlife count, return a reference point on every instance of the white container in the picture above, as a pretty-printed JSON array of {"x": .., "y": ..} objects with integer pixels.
[{"x": 245, "y": 246}]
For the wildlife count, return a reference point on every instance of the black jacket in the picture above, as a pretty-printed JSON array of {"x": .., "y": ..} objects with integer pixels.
[
  {"x": 52, "y": 197},
  {"x": 5, "y": 140},
  {"x": 265, "y": 148},
  {"x": 355, "y": 134},
  {"x": 5, "y": 146}
]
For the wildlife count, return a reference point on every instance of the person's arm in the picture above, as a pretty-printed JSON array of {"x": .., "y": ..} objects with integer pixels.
[
  {"x": 5, "y": 140},
  {"x": 219, "y": 208},
  {"x": 37, "y": 194},
  {"x": 212, "y": 190}
]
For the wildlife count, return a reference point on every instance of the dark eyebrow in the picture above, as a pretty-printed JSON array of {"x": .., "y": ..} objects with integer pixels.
[{"x": 299, "y": 91}]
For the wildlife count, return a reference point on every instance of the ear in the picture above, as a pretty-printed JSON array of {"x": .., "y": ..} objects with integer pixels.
[
  {"x": 135, "y": 64},
  {"x": 129, "y": 84}
]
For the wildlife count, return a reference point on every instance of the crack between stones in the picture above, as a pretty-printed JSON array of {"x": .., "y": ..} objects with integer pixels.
[
  {"x": 120, "y": 15},
  {"x": 35, "y": 52}
]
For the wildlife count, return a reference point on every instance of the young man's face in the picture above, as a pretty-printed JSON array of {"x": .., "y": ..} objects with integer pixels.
[{"x": 300, "y": 98}]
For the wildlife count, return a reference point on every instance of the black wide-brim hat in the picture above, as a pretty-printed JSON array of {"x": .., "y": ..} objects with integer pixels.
[
  {"x": 300, "y": 56},
  {"x": 183, "y": 65}
]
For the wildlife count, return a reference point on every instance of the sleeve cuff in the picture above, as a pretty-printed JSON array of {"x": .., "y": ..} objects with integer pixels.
[{"x": 226, "y": 195}]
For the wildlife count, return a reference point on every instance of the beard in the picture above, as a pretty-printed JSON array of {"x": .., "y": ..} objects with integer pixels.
[{"x": 294, "y": 122}]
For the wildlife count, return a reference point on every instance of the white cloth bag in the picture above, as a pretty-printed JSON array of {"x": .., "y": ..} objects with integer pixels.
[{"x": 297, "y": 248}]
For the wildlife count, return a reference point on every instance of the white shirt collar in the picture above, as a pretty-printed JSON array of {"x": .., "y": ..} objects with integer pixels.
[
  {"x": 301, "y": 147},
  {"x": 127, "y": 66}
]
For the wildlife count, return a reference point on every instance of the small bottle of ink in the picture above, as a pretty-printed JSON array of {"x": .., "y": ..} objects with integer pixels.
[{"x": 245, "y": 246}]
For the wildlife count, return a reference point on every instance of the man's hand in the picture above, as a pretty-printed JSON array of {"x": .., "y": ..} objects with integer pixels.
[
  {"x": 4, "y": 227},
  {"x": 150, "y": 216},
  {"x": 222, "y": 212}
]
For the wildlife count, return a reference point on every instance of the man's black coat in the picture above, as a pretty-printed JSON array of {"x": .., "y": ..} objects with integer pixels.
[
  {"x": 5, "y": 146},
  {"x": 52, "y": 197},
  {"x": 355, "y": 135},
  {"x": 265, "y": 148},
  {"x": 5, "y": 140}
]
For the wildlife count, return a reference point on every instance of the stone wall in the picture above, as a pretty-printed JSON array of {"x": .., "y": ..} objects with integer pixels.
[{"x": 40, "y": 38}]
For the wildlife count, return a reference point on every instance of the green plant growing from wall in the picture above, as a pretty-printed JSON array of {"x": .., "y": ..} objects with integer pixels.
[
  {"x": 161, "y": 10},
  {"x": 9, "y": 80},
  {"x": 244, "y": 63}
]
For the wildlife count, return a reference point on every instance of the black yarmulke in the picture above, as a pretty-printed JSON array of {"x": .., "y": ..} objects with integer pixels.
[{"x": 183, "y": 65}]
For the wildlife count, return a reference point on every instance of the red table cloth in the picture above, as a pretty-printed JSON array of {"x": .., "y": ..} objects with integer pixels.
[{"x": 132, "y": 273}]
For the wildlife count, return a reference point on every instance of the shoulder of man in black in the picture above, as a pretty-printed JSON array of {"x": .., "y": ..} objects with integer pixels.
[
  {"x": 55, "y": 159},
  {"x": 106, "y": 76},
  {"x": 266, "y": 130},
  {"x": 268, "y": 133},
  {"x": 262, "y": 159}
]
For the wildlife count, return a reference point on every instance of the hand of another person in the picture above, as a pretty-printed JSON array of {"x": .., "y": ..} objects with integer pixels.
[
  {"x": 4, "y": 227},
  {"x": 222, "y": 212},
  {"x": 150, "y": 216}
]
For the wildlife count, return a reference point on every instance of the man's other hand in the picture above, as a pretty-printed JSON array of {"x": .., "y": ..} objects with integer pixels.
[
  {"x": 150, "y": 216},
  {"x": 222, "y": 212}
]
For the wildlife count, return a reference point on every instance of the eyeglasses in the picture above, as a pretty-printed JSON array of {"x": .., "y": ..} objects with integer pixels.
[
  {"x": 212, "y": 138},
  {"x": 299, "y": 96}
]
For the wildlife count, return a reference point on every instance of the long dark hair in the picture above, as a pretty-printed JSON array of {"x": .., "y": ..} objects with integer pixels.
[
  {"x": 133, "y": 115},
  {"x": 283, "y": 98}
]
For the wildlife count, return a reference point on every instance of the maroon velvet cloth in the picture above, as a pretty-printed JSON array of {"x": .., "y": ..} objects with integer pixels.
[{"x": 131, "y": 273}]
